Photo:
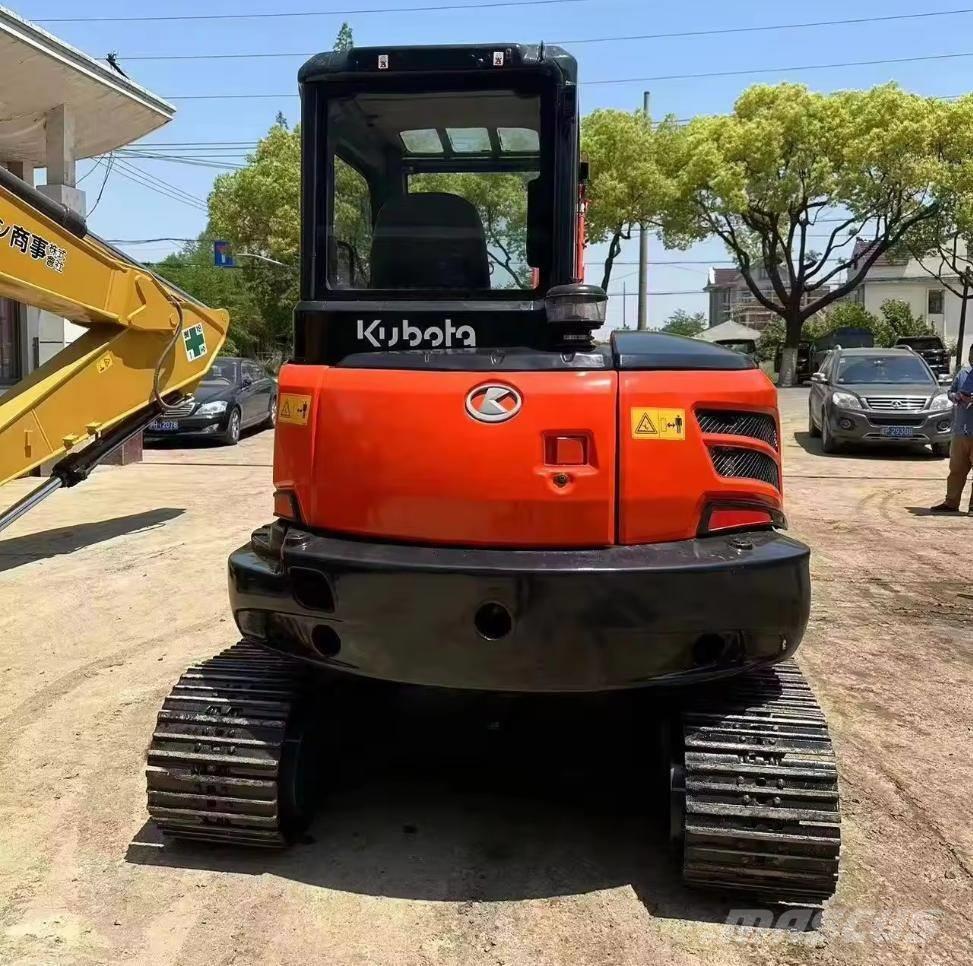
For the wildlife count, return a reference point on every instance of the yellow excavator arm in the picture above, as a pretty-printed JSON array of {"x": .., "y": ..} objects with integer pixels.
[{"x": 146, "y": 345}]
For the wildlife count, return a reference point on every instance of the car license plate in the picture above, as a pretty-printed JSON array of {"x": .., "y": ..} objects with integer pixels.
[
  {"x": 164, "y": 425},
  {"x": 898, "y": 432}
]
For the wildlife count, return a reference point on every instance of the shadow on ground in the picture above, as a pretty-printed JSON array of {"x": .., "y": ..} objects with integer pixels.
[
  {"x": 17, "y": 551},
  {"x": 535, "y": 798},
  {"x": 912, "y": 452}
]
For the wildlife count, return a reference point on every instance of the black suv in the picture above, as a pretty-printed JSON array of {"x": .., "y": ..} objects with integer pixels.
[{"x": 931, "y": 348}]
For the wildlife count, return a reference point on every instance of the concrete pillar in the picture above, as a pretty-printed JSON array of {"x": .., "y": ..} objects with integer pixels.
[
  {"x": 23, "y": 170},
  {"x": 59, "y": 130},
  {"x": 53, "y": 333}
]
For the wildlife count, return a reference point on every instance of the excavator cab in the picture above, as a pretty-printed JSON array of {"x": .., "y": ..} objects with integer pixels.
[{"x": 440, "y": 199}]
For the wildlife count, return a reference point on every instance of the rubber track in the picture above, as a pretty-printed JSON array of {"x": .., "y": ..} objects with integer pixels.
[
  {"x": 215, "y": 758},
  {"x": 761, "y": 808}
]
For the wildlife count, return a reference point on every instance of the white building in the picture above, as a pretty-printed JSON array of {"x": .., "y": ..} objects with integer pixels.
[
  {"x": 57, "y": 106},
  {"x": 909, "y": 281}
]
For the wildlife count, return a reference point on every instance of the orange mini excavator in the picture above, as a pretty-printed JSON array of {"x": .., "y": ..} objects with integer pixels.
[{"x": 472, "y": 492}]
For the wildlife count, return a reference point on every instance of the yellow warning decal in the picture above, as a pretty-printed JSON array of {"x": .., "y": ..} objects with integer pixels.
[
  {"x": 658, "y": 423},
  {"x": 293, "y": 409},
  {"x": 104, "y": 363}
]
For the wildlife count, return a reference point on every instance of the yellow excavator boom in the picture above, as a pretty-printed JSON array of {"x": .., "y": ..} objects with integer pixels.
[{"x": 147, "y": 343}]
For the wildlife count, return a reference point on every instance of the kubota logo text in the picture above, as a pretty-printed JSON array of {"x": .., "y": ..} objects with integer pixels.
[{"x": 405, "y": 335}]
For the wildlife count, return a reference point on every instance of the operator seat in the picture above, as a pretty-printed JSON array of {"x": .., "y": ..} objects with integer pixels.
[{"x": 429, "y": 240}]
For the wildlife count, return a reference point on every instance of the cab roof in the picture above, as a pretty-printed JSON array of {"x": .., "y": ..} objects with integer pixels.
[{"x": 488, "y": 58}]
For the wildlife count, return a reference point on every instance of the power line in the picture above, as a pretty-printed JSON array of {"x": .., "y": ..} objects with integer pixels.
[
  {"x": 776, "y": 70},
  {"x": 104, "y": 183},
  {"x": 655, "y": 78},
  {"x": 146, "y": 241},
  {"x": 716, "y": 31},
  {"x": 152, "y": 187},
  {"x": 197, "y": 162},
  {"x": 686, "y": 291},
  {"x": 135, "y": 169},
  {"x": 489, "y": 4}
]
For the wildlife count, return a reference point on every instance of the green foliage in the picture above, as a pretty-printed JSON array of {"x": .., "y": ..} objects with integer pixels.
[
  {"x": 625, "y": 186},
  {"x": 193, "y": 271},
  {"x": 879, "y": 161},
  {"x": 258, "y": 210},
  {"x": 895, "y": 320},
  {"x": 898, "y": 321},
  {"x": 344, "y": 41},
  {"x": 682, "y": 323}
]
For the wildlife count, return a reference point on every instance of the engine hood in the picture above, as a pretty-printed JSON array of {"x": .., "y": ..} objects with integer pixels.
[{"x": 212, "y": 391}]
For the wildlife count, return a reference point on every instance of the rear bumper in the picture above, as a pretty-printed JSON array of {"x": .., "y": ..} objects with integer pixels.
[{"x": 588, "y": 620}]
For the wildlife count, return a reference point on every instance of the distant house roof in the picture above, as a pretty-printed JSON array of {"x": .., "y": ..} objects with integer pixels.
[
  {"x": 729, "y": 330},
  {"x": 862, "y": 248},
  {"x": 41, "y": 73},
  {"x": 722, "y": 277}
]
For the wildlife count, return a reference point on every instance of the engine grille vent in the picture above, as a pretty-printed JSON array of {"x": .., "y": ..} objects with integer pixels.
[
  {"x": 736, "y": 462},
  {"x": 181, "y": 409},
  {"x": 730, "y": 423},
  {"x": 892, "y": 404}
]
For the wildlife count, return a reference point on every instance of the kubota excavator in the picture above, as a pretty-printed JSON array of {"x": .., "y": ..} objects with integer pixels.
[{"x": 470, "y": 492}]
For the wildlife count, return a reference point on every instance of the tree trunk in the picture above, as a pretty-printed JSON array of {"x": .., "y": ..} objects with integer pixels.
[
  {"x": 614, "y": 249},
  {"x": 788, "y": 358}
]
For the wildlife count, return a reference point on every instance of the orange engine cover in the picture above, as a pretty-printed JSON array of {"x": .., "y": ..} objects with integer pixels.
[
  {"x": 395, "y": 454},
  {"x": 403, "y": 456}
]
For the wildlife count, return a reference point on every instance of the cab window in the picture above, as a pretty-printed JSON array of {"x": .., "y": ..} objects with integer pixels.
[{"x": 436, "y": 191}]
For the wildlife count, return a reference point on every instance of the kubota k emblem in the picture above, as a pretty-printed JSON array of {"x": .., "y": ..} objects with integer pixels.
[{"x": 493, "y": 403}]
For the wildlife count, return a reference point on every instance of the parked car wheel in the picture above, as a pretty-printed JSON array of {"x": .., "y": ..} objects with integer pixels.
[
  {"x": 231, "y": 435},
  {"x": 271, "y": 421},
  {"x": 828, "y": 443},
  {"x": 941, "y": 450},
  {"x": 812, "y": 429}
]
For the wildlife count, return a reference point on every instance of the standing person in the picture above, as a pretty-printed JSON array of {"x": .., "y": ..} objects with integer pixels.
[{"x": 961, "y": 448}]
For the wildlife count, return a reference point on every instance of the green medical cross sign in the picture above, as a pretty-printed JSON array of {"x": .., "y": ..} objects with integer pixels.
[{"x": 195, "y": 343}]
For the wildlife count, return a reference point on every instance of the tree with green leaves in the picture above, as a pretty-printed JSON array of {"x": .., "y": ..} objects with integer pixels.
[
  {"x": 898, "y": 321},
  {"x": 344, "y": 41},
  {"x": 625, "y": 187},
  {"x": 943, "y": 247},
  {"x": 682, "y": 322},
  {"x": 258, "y": 210},
  {"x": 895, "y": 319},
  {"x": 192, "y": 269},
  {"x": 790, "y": 165}
]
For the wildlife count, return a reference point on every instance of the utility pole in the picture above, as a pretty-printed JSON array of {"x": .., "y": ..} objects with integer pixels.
[
  {"x": 624, "y": 306},
  {"x": 644, "y": 249}
]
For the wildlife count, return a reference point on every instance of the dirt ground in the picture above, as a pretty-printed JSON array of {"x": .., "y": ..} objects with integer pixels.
[{"x": 107, "y": 592}]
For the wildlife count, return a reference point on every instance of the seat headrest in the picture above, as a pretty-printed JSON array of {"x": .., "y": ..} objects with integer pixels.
[{"x": 429, "y": 240}]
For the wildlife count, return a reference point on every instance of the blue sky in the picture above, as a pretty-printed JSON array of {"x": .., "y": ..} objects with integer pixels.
[{"x": 131, "y": 211}]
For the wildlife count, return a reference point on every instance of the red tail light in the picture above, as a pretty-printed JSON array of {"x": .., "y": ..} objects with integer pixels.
[
  {"x": 566, "y": 450},
  {"x": 728, "y": 517}
]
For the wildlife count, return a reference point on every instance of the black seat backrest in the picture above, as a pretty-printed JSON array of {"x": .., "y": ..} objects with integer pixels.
[{"x": 429, "y": 240}]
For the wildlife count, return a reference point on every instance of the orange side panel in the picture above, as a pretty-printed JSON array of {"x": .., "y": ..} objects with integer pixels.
[
  {"x": 665, "y": 483},
  {"x": 393, "y": 454}
]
